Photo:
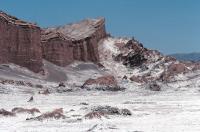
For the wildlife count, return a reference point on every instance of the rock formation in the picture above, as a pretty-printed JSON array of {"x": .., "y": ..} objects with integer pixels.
[
  {"x": 105, "y": 83},
  {"x": 20, "y": 43},
  {"x": 79, "y": 41},
  {"x": 26, "y": 45},
  {"x": 133, "y": 54}
]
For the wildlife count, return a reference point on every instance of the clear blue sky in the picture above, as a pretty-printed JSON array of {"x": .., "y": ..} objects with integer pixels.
[{"x": 167, "y": 25}]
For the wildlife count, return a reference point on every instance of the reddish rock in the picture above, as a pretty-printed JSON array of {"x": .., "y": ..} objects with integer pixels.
[
  {"x": 137, "y": 79},
  {"x": 192, "y": 65},
  {"x": 196, "y": 67},
  {"x": 143, "y": 79},
  {"x": 105, "y": 83},
  {"x": 105, "y": 80},
  {"x": 57, "y": 49},
  {"x": 94, "y": 114},
  {"x": 173, "y": 70},
  {"x": 177, "y": 68},
  {"x": 45, "y": 92},
  {"x": 20, "y": 43},
  {"x": 77, "y": 41}
]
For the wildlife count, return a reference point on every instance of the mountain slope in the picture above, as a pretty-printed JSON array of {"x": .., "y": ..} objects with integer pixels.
[{"x": 187, "y": 56}]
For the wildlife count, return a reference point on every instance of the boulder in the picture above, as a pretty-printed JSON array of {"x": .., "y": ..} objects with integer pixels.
[
  {"x": 61, "y": 84},
  {"x": 173, "y": 70},
  {"x": 105, "y": 83},
  {"x": 4, "y": 112},
  {"x": 196, "y": 67},
  {"x": 154, "y": 86},
  {"x": 177, "y": 68},
  {"x": 137, "y": 79},
  {"x": 93, "y": 115},
  {"x": 109, "y": 110}
]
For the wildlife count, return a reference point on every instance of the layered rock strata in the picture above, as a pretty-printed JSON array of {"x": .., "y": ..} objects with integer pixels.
[
  {"x": 20, "y": 43},
  {"x": 79, "y": 41}
]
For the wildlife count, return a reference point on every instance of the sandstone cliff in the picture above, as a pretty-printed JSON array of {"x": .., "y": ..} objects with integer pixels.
[
  {"x": 79, "y": 41},
  {"x": 20, "y": 43}
]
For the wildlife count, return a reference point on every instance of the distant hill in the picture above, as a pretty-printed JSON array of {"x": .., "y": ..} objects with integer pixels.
[{"x": 187, "y": 56}]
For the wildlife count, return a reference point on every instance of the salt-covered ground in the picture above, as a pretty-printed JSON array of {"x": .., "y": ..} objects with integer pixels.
[
  {"x": 165, "y": 111},
  {"x": 176, "y": 108}
]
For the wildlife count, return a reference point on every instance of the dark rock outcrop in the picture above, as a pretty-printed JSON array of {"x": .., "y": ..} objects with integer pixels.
[
  {"x": 104, "y": 111},
  {"x": 4, "y": 112},
  {"x": 20, "y": 43},
  {"x": 153, "y": 86},
  {"x": 108, "y": 110},
  {"x": 45, "y": 92},
  {"x": 132, "y": 53},
  {"x": 77, "y": 41}
]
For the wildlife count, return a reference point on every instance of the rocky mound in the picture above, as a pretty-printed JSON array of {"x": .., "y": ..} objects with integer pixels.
[
  {"x": 104, "y": 111},
  {"x": 105, "y": 83},
  {"x": 125, "y": 57}
]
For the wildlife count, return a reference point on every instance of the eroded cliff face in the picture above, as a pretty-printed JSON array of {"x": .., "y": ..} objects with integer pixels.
[
  {"x": 57, "y": 49},
  {"x": 20, "y": 43},
  {"x": 77, "y": 41}
]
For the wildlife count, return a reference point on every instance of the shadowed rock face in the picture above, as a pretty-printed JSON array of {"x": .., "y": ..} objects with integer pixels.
[
  {"x": 20, "y": 43},
  {"x": 132, "y": 53},
  {"x": 77, "y": 41}
]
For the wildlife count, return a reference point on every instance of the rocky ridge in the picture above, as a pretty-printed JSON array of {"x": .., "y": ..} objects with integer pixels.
[
  {"x": 125, "y": 59},
  {"x": 25, "y": 44},
  {"x": 63, "y": 45}
]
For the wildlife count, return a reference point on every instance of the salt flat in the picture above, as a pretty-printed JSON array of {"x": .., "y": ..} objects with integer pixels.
[{"x": 164, "y": 111}]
